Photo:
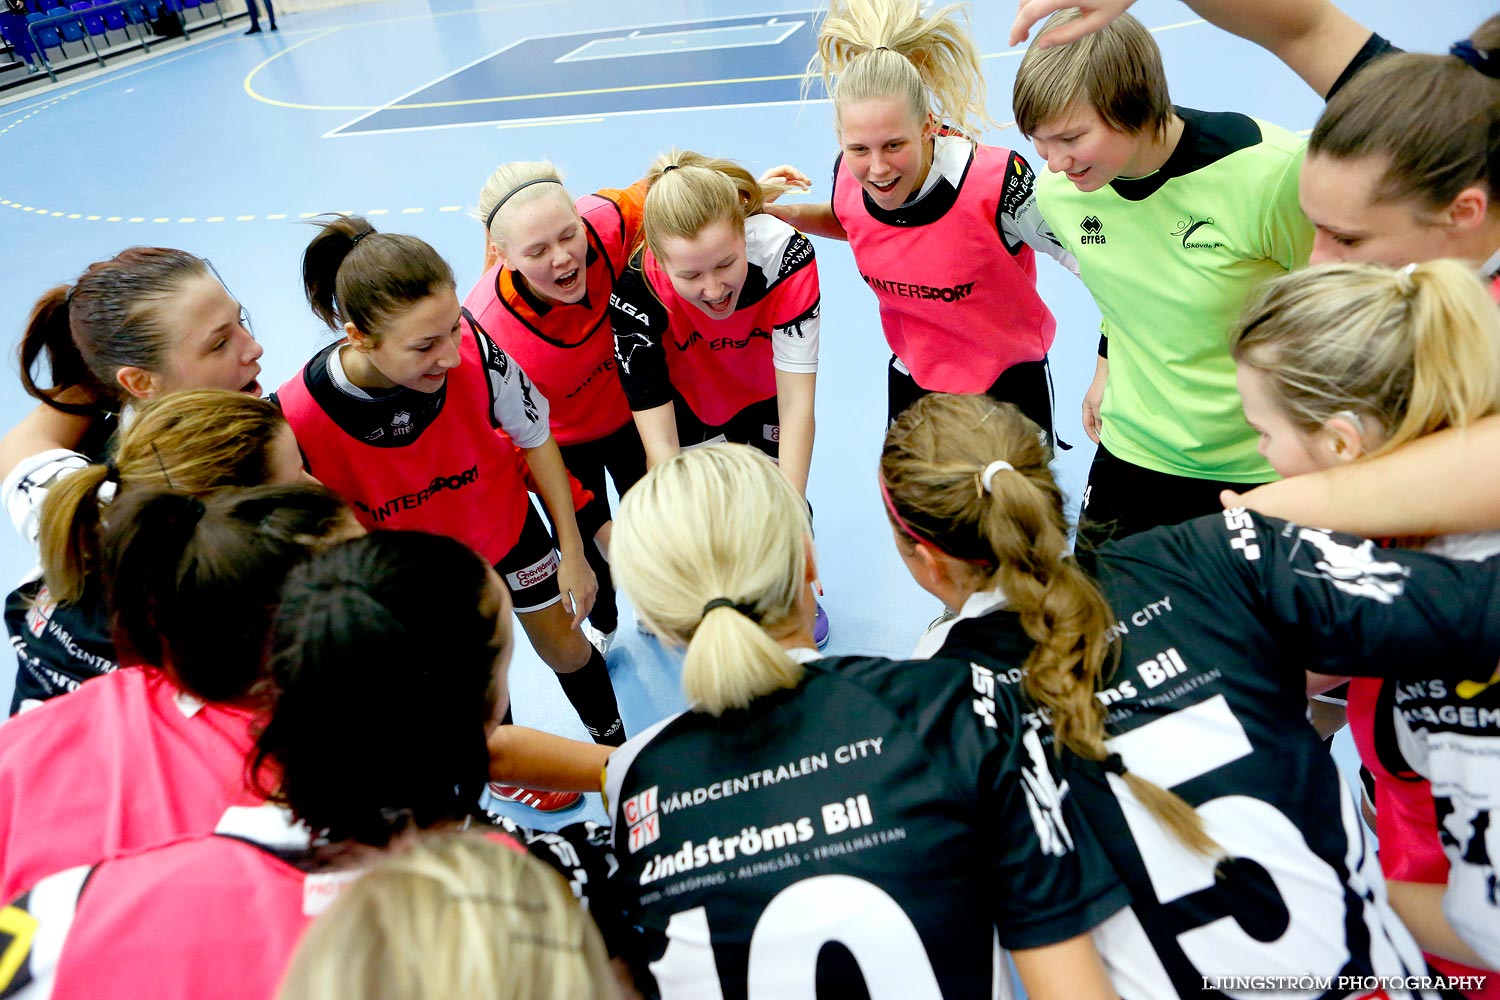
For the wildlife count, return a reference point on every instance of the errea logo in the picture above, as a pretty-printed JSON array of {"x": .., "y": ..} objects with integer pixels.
[
  {"x": 1093, "y": 229},
  {"x": 401, "y": 423}
]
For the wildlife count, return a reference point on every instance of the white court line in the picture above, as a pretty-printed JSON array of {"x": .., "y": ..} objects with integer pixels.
[
  {"x": 334, "y": 133},
  {"x": 594, "y": 118},
  {"x": 577, "y": 55}
]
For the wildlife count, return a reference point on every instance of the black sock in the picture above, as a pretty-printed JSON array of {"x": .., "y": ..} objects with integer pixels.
[
  {"x": 605, "y": 615},
  {"x": 593, "y": 697}
]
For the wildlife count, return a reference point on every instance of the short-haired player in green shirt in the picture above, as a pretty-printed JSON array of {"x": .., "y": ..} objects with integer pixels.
[{"x": 1174, "y": 215}]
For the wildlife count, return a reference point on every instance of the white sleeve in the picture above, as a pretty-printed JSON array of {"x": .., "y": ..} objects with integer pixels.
[
  {"x": 26, "y": 487},
  {"x": 1020, "y": 217},
  {"x": 794, "y": 345},
  {"x": 789, "y": 263},
  {"x": 519, "y": 408},
  {"x": 48, "y": 909}
]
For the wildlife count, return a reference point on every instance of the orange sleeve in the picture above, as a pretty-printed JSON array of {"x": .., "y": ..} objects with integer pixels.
[{"x": 632, "y": 204}]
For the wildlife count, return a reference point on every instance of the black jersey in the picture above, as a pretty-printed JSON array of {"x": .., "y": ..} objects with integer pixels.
[
  {"x": 1217, "y": 619},
  {"x": 881, "y": 824},
  {"x": 582, "y": 855},
  {"x": 57, "y": 646}
]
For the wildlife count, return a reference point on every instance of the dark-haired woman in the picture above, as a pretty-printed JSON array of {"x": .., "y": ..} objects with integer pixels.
[
  {"x": 1216, "y": 620},
  {"x": 411, "y": 417},
  {"x": 148, "y": 321},
  {"x": 353, "y": 641},
  {"x": 157, "y": 750}
]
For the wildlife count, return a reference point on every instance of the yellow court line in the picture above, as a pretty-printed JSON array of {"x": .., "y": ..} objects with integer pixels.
[{"x": 513, "y": 97}]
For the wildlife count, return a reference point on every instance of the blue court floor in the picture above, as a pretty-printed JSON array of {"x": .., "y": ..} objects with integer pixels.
[{"x": 400, "y": 110}]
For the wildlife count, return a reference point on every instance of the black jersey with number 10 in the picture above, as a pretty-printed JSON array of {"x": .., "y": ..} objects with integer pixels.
[{"x": 869, "y": 833}]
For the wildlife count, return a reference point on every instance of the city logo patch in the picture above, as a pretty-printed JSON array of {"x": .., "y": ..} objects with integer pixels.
[
  {"x": 1190, "y": 227},
  {"x": 1093, "y": 229},
  {"x": 40, "y": 612},
  {"x": 642, "y": 818}
]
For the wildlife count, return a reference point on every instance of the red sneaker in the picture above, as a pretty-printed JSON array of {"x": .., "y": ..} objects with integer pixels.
[{"x": 546, "y": 802}]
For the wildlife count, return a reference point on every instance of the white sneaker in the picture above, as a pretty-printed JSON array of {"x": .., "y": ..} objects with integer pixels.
[{"x": 599, "y": 640}]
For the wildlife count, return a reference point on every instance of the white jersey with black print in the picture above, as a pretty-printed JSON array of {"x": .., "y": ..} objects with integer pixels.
[
  {"x": 1449, "y": 733},
  {"x": 874, "y": 829},
  {"x": 1217, "y": 619}
]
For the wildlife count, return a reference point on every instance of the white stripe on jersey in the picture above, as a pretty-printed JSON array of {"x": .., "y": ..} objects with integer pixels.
[{"x": 52, "y": 902}]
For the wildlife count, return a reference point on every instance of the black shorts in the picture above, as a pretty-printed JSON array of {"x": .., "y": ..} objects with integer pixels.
[
  {"x": 1123, "y": 498},
  {"x": 621, "y": 455},
  {"x": 529, "y": 569},
  {"x": 1028, "y": 385},
  {"x": 758, "y": 425}
]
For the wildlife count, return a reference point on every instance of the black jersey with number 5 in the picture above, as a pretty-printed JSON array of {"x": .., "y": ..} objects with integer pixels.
[
  {"x": 869, "y": 833},
  {"x": 1218, "y": 619}
]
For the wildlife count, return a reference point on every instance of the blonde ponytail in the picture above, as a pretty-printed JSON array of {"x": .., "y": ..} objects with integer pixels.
[
  {"x": 711, "y": 548},
  {"x": 937, "y": 461},
  {"x": 68, "y": 532},
  {"x": 191, "y": 442},
  {"x": 870, "y": 49},
  {"x": 1415, "y": 350}
]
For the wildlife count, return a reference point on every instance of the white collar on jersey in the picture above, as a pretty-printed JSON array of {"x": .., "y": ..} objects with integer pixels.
[
  {"x": 1491, "y": 267},
  {"x": 268, "y": 825},
  {"x": 341, "y": 378},
  {"x": 950, "y": 158},
  {"x": 804, "y": 655},
  {"x": 978, "y": 605}
]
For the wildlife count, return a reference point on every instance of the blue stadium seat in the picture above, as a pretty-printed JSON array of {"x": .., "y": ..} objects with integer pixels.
[{"x": 47, "y": 36}]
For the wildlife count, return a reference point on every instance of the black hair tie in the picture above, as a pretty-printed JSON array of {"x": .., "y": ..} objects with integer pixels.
[
  {"x": 1486, "y": 62},
  {"x": 111, "y": 473},
  {"x": 489, "y": 220},
  {"x": 1114, "y": 764},
  {"x": 359, "y": 236},
  {"x": 671, "y": 167},
  {"x": 724, "y": 602}
]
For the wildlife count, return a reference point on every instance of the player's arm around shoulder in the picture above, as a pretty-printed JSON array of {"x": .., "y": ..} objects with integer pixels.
[{"x": 1019, "y": 217}]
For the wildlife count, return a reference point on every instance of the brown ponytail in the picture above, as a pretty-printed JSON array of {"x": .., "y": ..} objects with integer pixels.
[
  {"x": 1433, "y": 120},
  {"x": 1014, "y": 534},
  {"x": 194, "y": 442},
  {"x": 111, "y": 318},
  {"x": 353, "y": 273}
]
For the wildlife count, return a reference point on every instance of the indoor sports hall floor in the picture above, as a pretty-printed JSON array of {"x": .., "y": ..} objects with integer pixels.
[{"x": 400, "y": 109}]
